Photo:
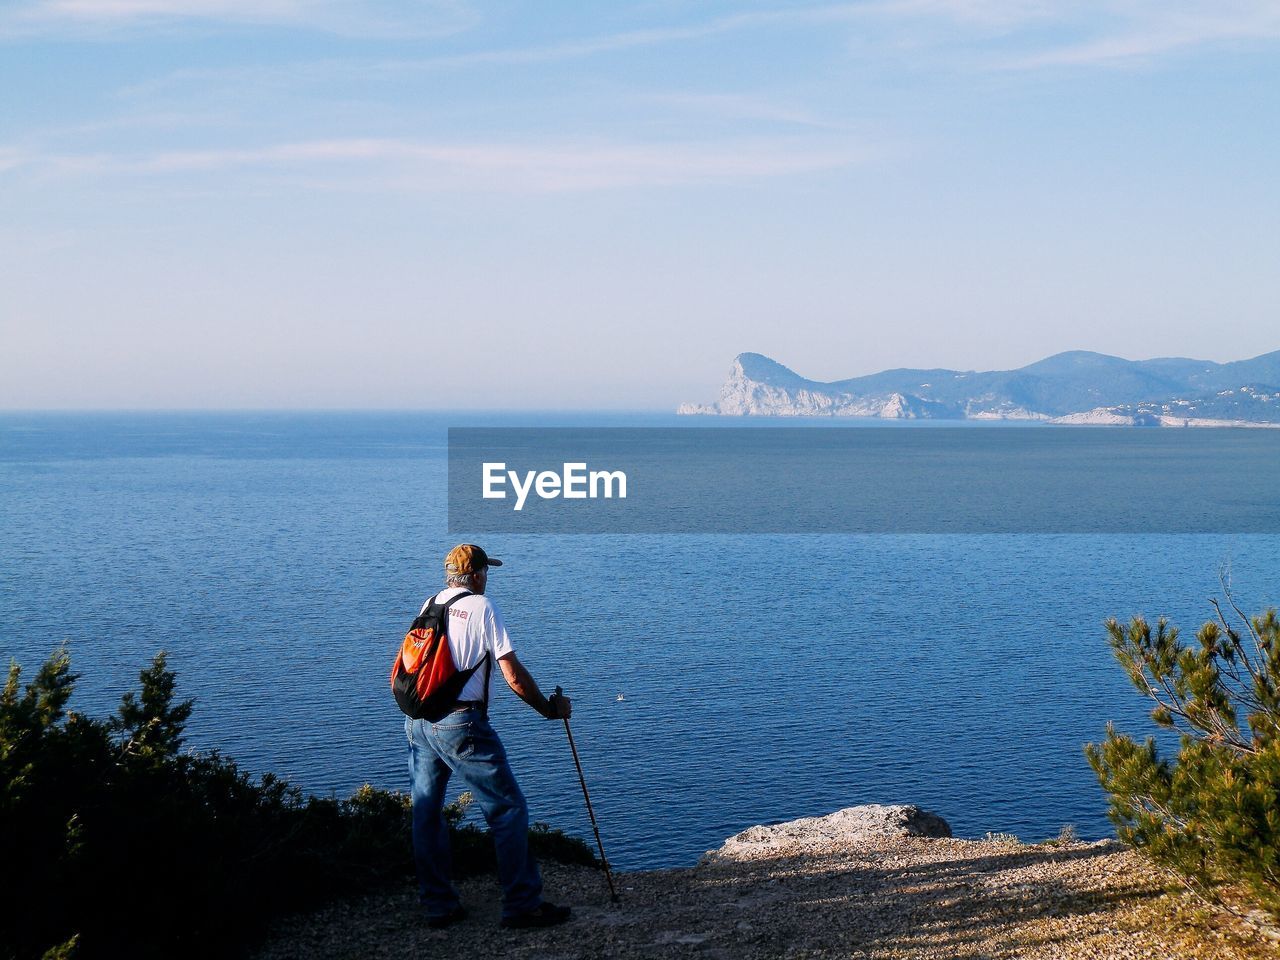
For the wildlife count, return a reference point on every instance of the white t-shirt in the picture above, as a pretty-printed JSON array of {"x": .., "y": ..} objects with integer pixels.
[{"x": 474, "y": 627}]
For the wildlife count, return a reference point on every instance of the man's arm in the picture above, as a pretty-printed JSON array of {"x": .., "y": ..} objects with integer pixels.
[{"x": 521, "y": 681}]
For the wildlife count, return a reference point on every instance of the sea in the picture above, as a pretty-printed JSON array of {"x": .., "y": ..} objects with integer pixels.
[{"x": 718, "y": 680}]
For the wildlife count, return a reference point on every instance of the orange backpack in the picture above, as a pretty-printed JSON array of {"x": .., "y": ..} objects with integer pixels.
[{"x": 424, "y": 678}]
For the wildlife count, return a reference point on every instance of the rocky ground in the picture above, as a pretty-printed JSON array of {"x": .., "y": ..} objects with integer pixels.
[{"x": 868, "y": 882}]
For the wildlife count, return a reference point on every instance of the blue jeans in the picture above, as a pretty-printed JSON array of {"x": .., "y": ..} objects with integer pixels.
[{"x": 464, "y": 743}]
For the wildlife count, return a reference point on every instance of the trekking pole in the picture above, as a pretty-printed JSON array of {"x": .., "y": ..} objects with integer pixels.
[{"x": 608, "y": 875}]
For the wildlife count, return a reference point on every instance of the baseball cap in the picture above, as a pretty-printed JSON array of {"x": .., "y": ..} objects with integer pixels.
[{"x": 468, "y": 558}]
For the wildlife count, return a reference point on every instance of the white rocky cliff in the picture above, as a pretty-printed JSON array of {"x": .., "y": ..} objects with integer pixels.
[
  {"x": 1077, "y": 387},
  {"x": 758, "y": 387}
]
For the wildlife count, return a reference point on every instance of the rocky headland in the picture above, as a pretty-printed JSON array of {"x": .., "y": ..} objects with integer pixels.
[
  {"x": 864, "y": 882},
  {"x": 1077, "y": 387}
]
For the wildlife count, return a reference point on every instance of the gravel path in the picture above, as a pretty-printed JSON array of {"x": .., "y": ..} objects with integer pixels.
[{"x": 816, "y": 893}]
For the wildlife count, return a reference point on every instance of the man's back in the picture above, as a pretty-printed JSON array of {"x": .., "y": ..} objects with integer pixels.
[{"x": 475, "y": 627}]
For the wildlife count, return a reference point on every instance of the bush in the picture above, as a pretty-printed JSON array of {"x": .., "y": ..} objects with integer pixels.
[
  {"x": 116, "y": 842},
  {"x": 1213, "y": 813}
]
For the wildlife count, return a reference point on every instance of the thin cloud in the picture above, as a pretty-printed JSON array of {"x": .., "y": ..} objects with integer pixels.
[
  {"x": 107, "y": 18},
  {"x": 572, "y": 49},
  {"x": 128, "y": 9},
  {"x": 11, "y": 158},
  {"x": 1090, "y": 31},
  {"x": 1056, "y": 33},
  {"x": 608, "y": 43},
  {"x": 383, "y": 17},
  {"x": 1000, "y": 14},
  {"x": 1155, "y": 35},
  {"x": 400, "y": 164},
  {"x": 729, "y": 106}
]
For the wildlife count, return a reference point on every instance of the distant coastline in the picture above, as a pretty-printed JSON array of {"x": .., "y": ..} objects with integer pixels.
[
  {"x": 1074, "y": 388},
  {"x": 1103, "y": 417}
]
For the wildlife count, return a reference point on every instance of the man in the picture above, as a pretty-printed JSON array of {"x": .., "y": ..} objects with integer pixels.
[{"x": 464, "y": 743}]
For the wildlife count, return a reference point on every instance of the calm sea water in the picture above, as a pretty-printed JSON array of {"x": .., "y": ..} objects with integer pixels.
[{"x": 718, "y": 681}]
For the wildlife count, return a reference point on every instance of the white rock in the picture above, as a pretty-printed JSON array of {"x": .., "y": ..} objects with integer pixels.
[
  {"x": 868, "y": 822},
  {"x": 1099, "y": 416}
]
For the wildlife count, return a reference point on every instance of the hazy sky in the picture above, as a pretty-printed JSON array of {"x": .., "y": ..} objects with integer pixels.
[{"x": 367, "y": 203}]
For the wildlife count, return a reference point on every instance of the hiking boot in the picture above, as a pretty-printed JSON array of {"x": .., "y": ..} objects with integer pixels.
[
  {"x": 442, "y": 920},
  {"x": 543, "y": 915}
]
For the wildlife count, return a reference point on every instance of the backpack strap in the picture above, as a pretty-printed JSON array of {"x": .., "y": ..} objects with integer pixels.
[
  {"x": 448, "y": 603},
  {"x": 488, "y": 668}
]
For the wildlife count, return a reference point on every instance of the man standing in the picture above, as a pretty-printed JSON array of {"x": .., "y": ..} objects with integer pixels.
[{"x": 464, "y": 743}]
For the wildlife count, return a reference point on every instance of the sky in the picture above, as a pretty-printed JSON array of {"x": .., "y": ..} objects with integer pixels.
[{"x": 543, "y": 205}]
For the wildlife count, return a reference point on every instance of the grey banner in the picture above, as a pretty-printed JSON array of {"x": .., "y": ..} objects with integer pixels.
[{"x": 863, "y": 480}]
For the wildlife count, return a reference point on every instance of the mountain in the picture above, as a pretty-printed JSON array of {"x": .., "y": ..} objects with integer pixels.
[{"x": 1077, "y": 386}]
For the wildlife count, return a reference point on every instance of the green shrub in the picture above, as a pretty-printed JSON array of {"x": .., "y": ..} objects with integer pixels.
[
  {"x": 1213, "y": 812},
  {"x": 116, "y": 843}
]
